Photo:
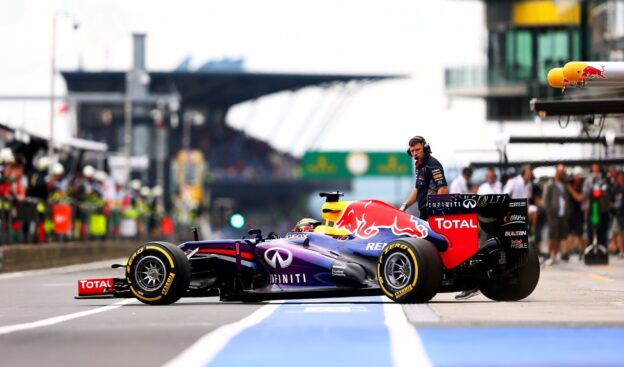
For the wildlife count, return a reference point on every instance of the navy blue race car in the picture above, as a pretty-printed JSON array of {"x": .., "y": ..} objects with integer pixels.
[{"x": 364, "y": 247}]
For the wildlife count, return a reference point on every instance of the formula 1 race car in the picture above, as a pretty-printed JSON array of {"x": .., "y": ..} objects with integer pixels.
[{"x": 365, "y": 247}]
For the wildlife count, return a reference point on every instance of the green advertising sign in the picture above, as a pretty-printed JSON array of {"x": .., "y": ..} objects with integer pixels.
[{"x": 333, "y": 165}]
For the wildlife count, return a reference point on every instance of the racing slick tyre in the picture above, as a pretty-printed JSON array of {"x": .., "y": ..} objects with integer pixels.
[
  {"x": 409, "y": 270},
  {"x": 158, "y": 273},
  {"x": 517, "y": 285}
]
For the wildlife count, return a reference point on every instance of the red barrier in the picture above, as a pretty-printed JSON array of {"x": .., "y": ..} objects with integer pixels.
[
  {"x": 166, "y": 226},
  {"x": 61, "y": 216}
]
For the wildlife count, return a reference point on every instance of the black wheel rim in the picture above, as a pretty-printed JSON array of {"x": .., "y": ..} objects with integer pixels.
[
  {"x": 398, "y": 270},
  {"x": 150, "y": 273}
]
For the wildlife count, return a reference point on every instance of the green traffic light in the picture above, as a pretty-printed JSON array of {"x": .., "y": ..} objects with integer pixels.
[{"x": 237, "y": 221}]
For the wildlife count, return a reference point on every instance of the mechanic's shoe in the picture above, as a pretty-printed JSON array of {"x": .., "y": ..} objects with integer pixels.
[
  {"x": 565, "y": 257},
  {"x": 550, "y": 261},
  {"x": 468, "y": 294}
]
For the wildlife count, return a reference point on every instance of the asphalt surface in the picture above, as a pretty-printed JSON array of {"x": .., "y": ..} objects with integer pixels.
[{"x": 574, "y": 318}]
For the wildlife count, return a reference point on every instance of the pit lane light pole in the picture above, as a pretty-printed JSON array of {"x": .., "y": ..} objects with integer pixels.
[
  {"x": 128, "y": 124},
  {"x": 137, "y": 82},
  {"x": 52, "y": 77}
]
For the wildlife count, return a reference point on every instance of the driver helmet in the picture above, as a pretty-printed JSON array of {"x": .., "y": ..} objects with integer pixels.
[{"x": 306, "y": 225}]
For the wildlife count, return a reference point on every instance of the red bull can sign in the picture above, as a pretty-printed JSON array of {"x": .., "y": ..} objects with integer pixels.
[{"x": 587, "y": 73}]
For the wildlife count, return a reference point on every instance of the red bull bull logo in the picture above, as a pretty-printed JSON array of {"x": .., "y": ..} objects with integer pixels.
[
  {"x": 590, "y": 71},
  {"x": 365, "y": 218}
]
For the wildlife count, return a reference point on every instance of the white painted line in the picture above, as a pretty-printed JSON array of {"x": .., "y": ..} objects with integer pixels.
[
  {"x": 420, "y": 312},
  {"x": 405, "y": 344},
  {"x": 208, "y": 346},
  {"x": 62, "y": 270},
  {"x": 58, "y": 319}
]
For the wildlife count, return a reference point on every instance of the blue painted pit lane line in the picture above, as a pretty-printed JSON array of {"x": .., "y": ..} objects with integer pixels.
[
  {"x": 374, "y": 332},
  {"x": 530, "y": 346},
  {"x": 314, "y": 334}
]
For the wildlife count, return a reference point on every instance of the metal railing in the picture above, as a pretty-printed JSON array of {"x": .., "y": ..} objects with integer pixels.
[{"x": 482, "y": 76}]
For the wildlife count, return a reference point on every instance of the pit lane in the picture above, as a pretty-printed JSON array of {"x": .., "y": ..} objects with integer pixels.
[{"x": 575, "y": 317}]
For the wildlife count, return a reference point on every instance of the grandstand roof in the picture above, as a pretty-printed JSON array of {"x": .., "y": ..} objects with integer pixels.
[{"x": 217, "y": 88}]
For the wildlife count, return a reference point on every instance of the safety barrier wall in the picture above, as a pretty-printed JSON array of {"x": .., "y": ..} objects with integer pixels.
[
  {"x": 29, "y": 256},
  {"x": 31, "y": 220}
]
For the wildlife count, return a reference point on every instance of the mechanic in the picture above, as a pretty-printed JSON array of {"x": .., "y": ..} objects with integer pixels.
[
  {"x": 491, "y": 185},
  {"x": 521, "y": 186},
  {"x": 430, "y": 178},
  {"x": 461, "y": 185}
]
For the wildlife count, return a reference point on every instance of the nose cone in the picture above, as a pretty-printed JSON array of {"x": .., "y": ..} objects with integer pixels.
[{"x": 573, "y": 71}]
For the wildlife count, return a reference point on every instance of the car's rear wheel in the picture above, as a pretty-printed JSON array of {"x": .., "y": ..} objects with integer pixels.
[
  {"x": 158, "y": 273},
  {"x": 517, "y": 285},
  {"x": 409, "y": 270}
]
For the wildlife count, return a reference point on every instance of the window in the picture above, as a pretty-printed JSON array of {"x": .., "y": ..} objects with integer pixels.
[
  {"x": 553, "y": 50},
  {"x": 141, "y": 140},
  {"x": 519, "y": 55}
]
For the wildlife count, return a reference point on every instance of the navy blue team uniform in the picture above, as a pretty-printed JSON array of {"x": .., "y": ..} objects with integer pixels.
[{"x": 429, "y": 178}]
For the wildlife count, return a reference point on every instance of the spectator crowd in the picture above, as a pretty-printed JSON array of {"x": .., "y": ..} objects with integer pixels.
[
  {"x": 46, "y": 203},
  {"x": 572, "y": 208}
]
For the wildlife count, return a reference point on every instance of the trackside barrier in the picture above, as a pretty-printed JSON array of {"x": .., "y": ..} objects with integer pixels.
[
  {"x": 55, "y": 254},
  {"x": 32, "y": 220},
  {"x": 62, "y": 218}
]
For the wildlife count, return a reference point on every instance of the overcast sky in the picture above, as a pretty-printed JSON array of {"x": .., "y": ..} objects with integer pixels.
[{"x": 416, "y": 38}]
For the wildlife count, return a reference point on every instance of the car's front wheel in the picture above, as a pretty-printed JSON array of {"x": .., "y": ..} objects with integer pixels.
[
  {"x": 409, "y": 270},
  {"x": 158, "y": 273}
]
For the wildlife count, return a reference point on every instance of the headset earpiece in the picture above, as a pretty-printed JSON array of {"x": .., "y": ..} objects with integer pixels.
[{"x": 427, "y": 149}]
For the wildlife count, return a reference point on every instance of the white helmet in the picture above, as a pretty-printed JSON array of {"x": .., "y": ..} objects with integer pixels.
[
  {"x": 42, "y": 163},
  {"x": 157, "y": 191},
  {"x": 58, "y": 169},
  {"x": 88, "y": 171},
  {"x": 145, "y": 191},
  {"x": 6, "y": 155},
  {"x": 135, "y": 185}
]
